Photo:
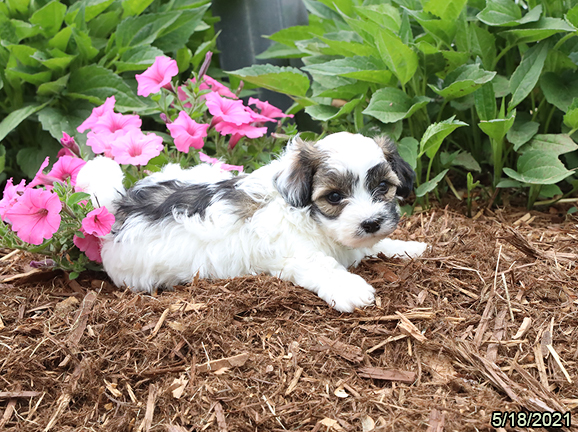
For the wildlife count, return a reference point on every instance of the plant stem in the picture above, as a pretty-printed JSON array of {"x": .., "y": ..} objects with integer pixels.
[
  {"x": 533, "y": 196},
  {"x": 550, "y": 115}
]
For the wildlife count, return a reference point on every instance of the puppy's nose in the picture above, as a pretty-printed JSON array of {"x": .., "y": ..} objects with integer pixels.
[{"x": 370, "y": 226}]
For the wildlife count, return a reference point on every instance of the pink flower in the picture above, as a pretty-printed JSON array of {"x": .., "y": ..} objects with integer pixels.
[
  {"x": 64, "y": 152},
  {"x": 136, "y": 148},
  {"x": 67, "y": 167},
  {"x": 112, "y": 122},
  {"x": 268, "y": 110},
  {"x": 103, "y": 142},
  {"x": 247, "y": 130},
  {"x": 231, "y": 111},
  {"x": 11, "y": 195},
  {"x": 39, "y": 178},
  {"x": 90, "y": 245},
  {"x": 35, "y": 216},
  {"x": 157, "y": 76},
  {"x": 98, "y": 222},
  {"x": 208, "y": 83},
  {"x": 187, "y": 133},
  {"x": 183, "y": 97},
  {"x": 69, "y": 144},
  {"x": 96, "y": 114},
  {"x": 219, "y": 164}
]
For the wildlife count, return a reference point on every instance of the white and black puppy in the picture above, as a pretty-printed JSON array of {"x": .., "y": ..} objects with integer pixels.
[{"x": 304, "y": 218}]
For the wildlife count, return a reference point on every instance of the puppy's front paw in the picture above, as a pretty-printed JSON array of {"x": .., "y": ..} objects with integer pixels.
[
  {"x": 401, "y": 249},
  {"x": 414, "y": 249},
  {"x": 347, "y": 292}
]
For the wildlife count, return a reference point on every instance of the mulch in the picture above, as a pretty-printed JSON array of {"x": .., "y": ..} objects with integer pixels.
[{"x": 486, "y": 321}]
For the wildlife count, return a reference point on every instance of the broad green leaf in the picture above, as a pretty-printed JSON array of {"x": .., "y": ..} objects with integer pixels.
[
  {"x": 445, "y": 9},
  {"x": 498, "y": 128},
  {"x": 104, "y": 24},
  {"x": 13, "y": 119},
  {"x": 408, "y": 148},
  {"x": 320, "y": 10},
  {"x": 54, "y": 87},
  {"x": 49, "y": 18},
  {"x": 55, "y": 60},
  {"x": 134, "y": 7},
  {"x": 485, "y": 101},
  {"x": 501, "y": 86},
  {"x": 84, "y": 44},
  {"x": 75, "y": 198},
  {"x": 92, "y": 9},
  {"x": 483, "y": 44},
  {"x": 60, "y": 40},
  {"x": 527, "y": 73},
  {"x": 137, "y": 58},
  {"x": 435, "y": 134},
  {"x": 18, "y": 6},
  {"x": 550, "y": 191},
  {"x": 571, "y": 116},
  {"x": 398, "y": 57},
  {"x": 542, "y": 29},
  {"x": 522, "y": 132},
  {"x": 429, "y": 186},
  {"x": 278, "y": 50},
  {"x": 361, "y": 68},
  {"x": 56, "y": 121},
  {"x": 177, "y": 35},
  {"x": 183, "y": 58},
  {"x": 572, "y": 16},
  {"x": 288, "y": 80},
  {"x": 24, "y": 30},
  {"x": 143, "y": 30},
  {"x": 467, "y": 161},
  {"x": 540, "y": 168},
  {"x": 338, "y": 87},
  {"x": 202, "y": 51},
  {"x": 24, "y": 54},
  {"x": 386, "y": 15},
  {"x": 464, "y": 80},
  {"x": 347, "y": 47},
  {"x": 95, "y": 84},
  {"x": 507, "y": 13},
  {"x": 441, "y": 30},
  {"x": 328, "y": 112},
  {"x": 345, "y": 6},
  {"x": 290, "y": 35},
  {"x": 364, "y": 28},
  {"x": 509, "y": 183},
  {"x": 555, "y": 144},
  {"x": 30, "y": 75},
  {"x": 390, "y": 105},
  {"x": 560, "y": 90}
]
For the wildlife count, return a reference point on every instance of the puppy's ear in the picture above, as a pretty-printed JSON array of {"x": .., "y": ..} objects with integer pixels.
[
  {"x": 402, "y": 169},
  {"x": 294, "y": 180}
]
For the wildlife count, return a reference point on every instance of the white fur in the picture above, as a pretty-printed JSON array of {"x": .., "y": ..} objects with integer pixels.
[
  {"x": 102, "y": 178},
  {"x": 277, "y": 239}
]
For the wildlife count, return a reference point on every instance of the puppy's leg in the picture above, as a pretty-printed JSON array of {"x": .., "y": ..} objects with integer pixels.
[
  {"x": 331, "y": 281},
  {"x": 399, "y": 248}
]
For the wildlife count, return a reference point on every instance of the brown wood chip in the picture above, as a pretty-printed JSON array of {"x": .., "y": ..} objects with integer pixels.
[
  {"x": 229, "y": 362},
  {"x": 348, "y": 352},
  {"x": 387, "y": 374}
]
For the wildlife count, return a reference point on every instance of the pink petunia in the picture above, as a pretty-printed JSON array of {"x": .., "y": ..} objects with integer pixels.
[
  {"x": 67, "y": 167},
  {"x": 91, "y": 246},
  {"x": 208, "y": 83},
  {"x": 157, "y": 76},
  {"x": 64, "y": 152},
  {"x": 40, "y": 178},
  {"x": 136, "y": 148},
  {"x": 36, "y": 215},
  {"x": 112, "y": 122},
  {"x": 219, "y": 164},
  {"x": 226, "y": 128},
  {"x": 11, "y": 195},
  {"x": 69, "y": 144},
  {"x": 227, "y": 110},
  {"x": 103, "y": 142},
  {"x": 96, "y": 114},
  {"x": 98, "y": 222},
  {"x": 183, "y": 97},
  {"x": 187, "y": 133},
  {"x": 268, "y": 110}
]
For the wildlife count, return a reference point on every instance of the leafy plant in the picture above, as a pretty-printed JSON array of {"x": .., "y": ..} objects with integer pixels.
[
  {"x": 60, "y": 58},
  {"x": 470, "y": 186},
  {"x": 480, "y": 77}
]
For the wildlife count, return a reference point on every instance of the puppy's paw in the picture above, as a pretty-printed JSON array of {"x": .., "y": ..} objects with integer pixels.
[
  {"x": 414, "y": 249},
  {"x": 401, "y": 249},
  {"x": 347, "y": 292}
]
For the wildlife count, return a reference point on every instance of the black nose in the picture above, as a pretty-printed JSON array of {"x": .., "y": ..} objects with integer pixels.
[{"x": 370, "y": 226}]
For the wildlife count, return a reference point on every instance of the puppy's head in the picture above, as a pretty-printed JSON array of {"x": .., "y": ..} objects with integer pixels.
[{"x": 351, "y": 184}]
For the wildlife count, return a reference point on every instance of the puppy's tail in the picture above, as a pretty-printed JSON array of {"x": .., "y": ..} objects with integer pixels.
[{"x": 102, "y": 179}]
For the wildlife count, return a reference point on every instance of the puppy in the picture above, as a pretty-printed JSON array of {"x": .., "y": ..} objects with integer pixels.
[{"x": 304, "y": 218}]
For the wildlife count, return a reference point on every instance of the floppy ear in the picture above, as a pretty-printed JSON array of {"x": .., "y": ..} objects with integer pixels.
[
  {"x": 294, "y": 180},
  {"x": 402, "y": 169}
]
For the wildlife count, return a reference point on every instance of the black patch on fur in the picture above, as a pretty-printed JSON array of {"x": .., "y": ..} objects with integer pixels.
[
  {"x": 402, "y": 169},
  {"x": 376, "y": 175},
  {"x": 158, "y": 201}
]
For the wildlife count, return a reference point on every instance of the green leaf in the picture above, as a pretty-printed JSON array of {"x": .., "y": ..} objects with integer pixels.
[
  {"x": 467, "y": 161},
  {"x": 361, "y": 68},
  {"x": 527, "y": 73},
  {"x": 49, "y": 18},
  {"x": 522, "y": 132},
  {"x": 290, "y": 35},
  {"x": 485, "y": 101},
  {"x": 542, "y": 29},
  {"x": 429, "y": 186},
  {"x": 177, "y": 35},
  {"x": 509, "y": 183},
  {"x": 95, "y": 84},
  {"x": 134, "y": 7},
  {"x": 55, "y": 60},
  {"x": 464, "y": 80},
  {"x": 75, "y": 198},
  {"x": 445, "y": 9},
  {"x": 2, "y": 158},
  {"x": 571, "y": 116},
  {"x": 347, "y": 47},
  {"x": 560, "y": 90},
  {"x": 385, "y": 15},
  {"x": 443, "y": 31},
  {"x": 60, "y": 40},
  {"x": 498, "y": 128},
  {"x": 137, "y": 58},
  {"x": 278, "y": 50},
  {"x": 539, "y": 168},
  {"x": 84, "y": 44},
  {"x": 554, "y": 144},
  {"x": 390, "y": 105},
  {"x": 30, "y": 75},
  {"x": 53, "y": 87},
  {"x": 435, "y": 134},
  {"x": 398, "y": 57},
  {"x": 13, "y": 119},
  {"x": 345, "y": 6},
  {"x": 56, "y": 121},
  {"x": 507, "y": 13},
  {"x": 327, "y": 112},
  {"x": 92, "y": 9},
  {"x": 483, "y": 44},
  {"x": 408, "y": 148},
  {"x": 288, "y": 80},
  {"x": 143, "y": 30}
]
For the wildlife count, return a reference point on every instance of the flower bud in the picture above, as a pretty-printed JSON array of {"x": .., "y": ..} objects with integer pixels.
[
  {"x": 68, "y": 143},
  {"x": 205, "y": 65},
  {"x": 45, "y": 263}
]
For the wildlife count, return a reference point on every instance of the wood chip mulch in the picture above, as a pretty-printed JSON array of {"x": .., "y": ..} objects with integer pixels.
[{"x": 485, "y": 321}]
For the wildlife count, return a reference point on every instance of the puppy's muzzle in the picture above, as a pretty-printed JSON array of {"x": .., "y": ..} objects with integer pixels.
[{"x": 371, "y": 226}]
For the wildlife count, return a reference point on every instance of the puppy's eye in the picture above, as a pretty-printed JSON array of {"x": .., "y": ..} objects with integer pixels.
[
  {"x": 334, "y": 198},
  {"x": 384, "y": 185}
]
